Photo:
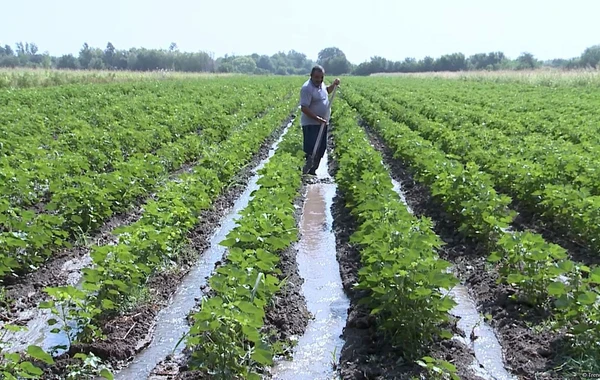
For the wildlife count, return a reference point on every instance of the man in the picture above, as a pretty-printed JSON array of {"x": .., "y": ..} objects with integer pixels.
[{"x": 314, "y": 103}]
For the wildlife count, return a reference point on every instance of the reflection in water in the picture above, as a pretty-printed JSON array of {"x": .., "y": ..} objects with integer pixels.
[
  {"x": 325, "y": 297},
  {"x": 313, "y": 221}
]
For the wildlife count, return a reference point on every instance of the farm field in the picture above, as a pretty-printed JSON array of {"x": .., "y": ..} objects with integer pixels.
[{"x": 164, "y": 230}]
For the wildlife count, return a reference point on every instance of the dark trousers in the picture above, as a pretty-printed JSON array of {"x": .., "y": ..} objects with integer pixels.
[{"x": 310, "y": 134}]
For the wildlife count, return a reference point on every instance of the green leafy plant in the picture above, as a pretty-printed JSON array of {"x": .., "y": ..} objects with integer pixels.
[
  {"x": 227, "y": 338},
  {"x": 73, "y": 169},
  {"x": 400, "y": 267},
  {"x": 438, "y": 369},
  {"x": 14, "y": 366},
  {"x": 539, "y": 270},
  {"x": 90, "y": 368}
]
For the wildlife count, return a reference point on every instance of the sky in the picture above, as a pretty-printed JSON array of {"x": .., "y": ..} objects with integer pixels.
[{"x": 362, "y": 29}]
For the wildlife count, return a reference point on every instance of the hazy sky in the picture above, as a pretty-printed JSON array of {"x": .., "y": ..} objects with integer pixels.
[{"x": 392, "y": 29}]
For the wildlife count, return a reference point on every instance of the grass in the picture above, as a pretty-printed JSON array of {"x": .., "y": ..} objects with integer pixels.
[
  {"x": 545, "y": 77},
  {"x": 25, "y": 77}
]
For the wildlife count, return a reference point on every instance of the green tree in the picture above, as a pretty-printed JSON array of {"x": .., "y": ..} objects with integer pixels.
[
  {"x": 427, "y": 64},
  {"x": 67, "y": 61},
  {"x": 264, "y": 63},
  {"x": 483, "y": 61},
  {"x": 96, "y": 64},
  {"x": 591, "y": 56},
  {"x": 526, "y": 61},
  {"x": 451, "y": 62},
  {"x": 244, "y": 65},
  {"x": 85, "y": 56},
  {"x": 8, "y": 50},
  {"x": 109, "y": 55},
  {"x": 334, "y": 61}
]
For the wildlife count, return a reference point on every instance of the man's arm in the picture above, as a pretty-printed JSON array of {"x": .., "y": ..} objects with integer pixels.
[{"x": 332, "y": 86}]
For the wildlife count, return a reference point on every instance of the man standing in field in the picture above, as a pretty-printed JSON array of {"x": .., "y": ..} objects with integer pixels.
[{"x": 314, "y": 103}]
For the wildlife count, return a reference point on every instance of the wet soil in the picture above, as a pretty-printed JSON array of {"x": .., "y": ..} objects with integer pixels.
[
  {"x": 366, "y": 353},
  {"x": 285, "y": 317},
  {"x": 315, "y": 355},
  {"x": 527, "y": 353},
  {"x": 27, "y": 291},
  {"x": 129, "y": 333}
]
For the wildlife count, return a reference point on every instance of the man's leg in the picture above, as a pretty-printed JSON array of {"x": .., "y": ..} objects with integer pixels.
[
  {"x": 307, "y": 145},
  {"x": 310, "y": 133},
  {"x": 321, "y": 150}
]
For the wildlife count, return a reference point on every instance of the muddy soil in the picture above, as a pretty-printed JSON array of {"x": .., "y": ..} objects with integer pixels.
[
  {"x": 286, "y": 316},
  {"x": 527, "y": 353},
  {"x": 128, "y": 334},
  {"x": 366, "y": 354},
  {"x": 27, "y": 291},
  {"x": 287, "y": 313}
]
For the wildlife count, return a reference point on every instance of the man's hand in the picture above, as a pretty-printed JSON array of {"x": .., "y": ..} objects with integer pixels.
[
  {"x": 335, "y": 83},
  {"x": 321, "y": 120},
  {"x": 312, "y": 115}
]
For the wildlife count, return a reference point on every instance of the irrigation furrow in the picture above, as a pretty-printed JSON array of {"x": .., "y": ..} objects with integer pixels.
[
  {"x": 476, "y": 333},
  {"x": 315, "y": 354},
  {"x": 258, "y": 318},
  {"x": 562, "y": 212},
  {"x": 368, "y": 350},
  {"x": 131, "y": 332},
  {"x": 66, "y": 269},
  {"x": 171, "y": 321},
  {"x": 525, "y": 351},
  {"x": 84, "y": 198}
]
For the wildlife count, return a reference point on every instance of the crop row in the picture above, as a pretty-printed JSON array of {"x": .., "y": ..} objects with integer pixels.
[
  {"x": 153, "y": 243},
  {"x": 561, "y": 193},
  {"x": 56, "y": 117},
  {"x": 399, "y": 264},
  {"x": 84, "y": 202},
  {"x": 525, "y": 260},
  {"x": 538, "y": 108},
  {"x": 547, "y": 148},
  {"x": 227, "y": 338},
  {"x": 90, "y": 134}
]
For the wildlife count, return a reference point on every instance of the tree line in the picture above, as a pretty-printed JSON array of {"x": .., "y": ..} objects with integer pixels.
[{"x": 293, "y": 62}]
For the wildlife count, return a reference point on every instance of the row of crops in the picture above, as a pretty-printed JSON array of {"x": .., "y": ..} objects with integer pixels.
[
  {"x": 73, "y": 157},
  {"x": 487, "y": 151}
]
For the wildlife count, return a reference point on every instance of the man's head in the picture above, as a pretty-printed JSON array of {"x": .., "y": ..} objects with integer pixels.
[{"x": 316, "y": 75}]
